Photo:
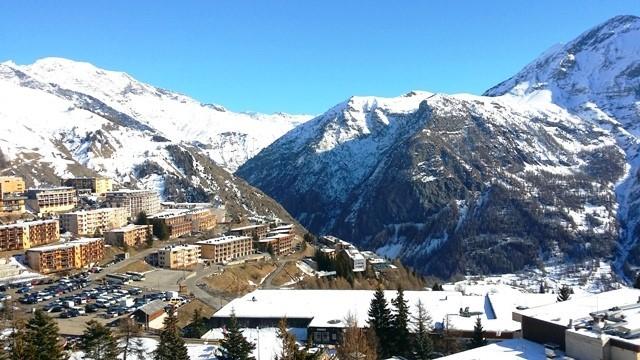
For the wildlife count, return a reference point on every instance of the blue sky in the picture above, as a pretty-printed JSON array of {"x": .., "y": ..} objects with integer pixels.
[{"x": 300, "y": 56}]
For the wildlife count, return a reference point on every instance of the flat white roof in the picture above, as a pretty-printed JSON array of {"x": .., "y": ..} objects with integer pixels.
[
  {"x": 274, "y": 237},
  {"x": 91, "y": 211},
  {"x": 249, "y": 227},
  {"x": 512, "y": 349},
  {"x": 328, "y": 308},
  {"x": 28, "y": 223},
  {"x": 169, "y": 213},
  {"x": 67, "y": 244},
  {"x": 179, "y": 247},
  {"x": 354, "y": 254},
  {"x": 223, "y": 240},
  {"x": 130, "y": 191},
  {"x": 561, "y": 313},
  {"x": 128, "y": 227}
]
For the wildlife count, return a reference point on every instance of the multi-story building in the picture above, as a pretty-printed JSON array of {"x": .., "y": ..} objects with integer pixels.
[
  {"x": 24, "y": 235},
  {"x": 68, "y": 256},
  {"x": 130, "y": 235},
  {"x": 136, "y": 201},
  {"x": 94, "y": 185},
  {"x": 356, "y": 260},
  {"x": 202, "y": 219},
  {"x": 12, "y": 197},
  {"x": 175, "y": 221},
  {"x": 95, "y": 221},
  {"x": 52, "y": 200},
  {"x": 225, "y": 248},
  {"x": 253, "y": 231},
  {"x": 278, "y": 244},
  {"x": 178, "y": 256}
]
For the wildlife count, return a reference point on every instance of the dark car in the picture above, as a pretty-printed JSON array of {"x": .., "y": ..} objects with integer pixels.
[
  {"x": 23, "y": 290},
  {"x": 91, "y": 308}
]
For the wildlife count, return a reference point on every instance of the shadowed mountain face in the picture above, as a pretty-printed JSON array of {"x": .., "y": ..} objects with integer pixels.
[{"x": 543, "y": 165}]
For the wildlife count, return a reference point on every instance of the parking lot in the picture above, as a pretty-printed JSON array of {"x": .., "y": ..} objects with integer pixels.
[
  {"x": 72, "y": 301},
  {"x": 162, "y": 280}
]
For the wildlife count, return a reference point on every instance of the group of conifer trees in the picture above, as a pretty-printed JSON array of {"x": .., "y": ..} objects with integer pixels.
[{"x": 38, "y": 338}]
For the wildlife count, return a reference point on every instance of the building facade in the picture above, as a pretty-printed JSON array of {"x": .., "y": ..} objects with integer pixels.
[
  {"x": 130, "y": 235},
  {"x": 94, "y": 185},
  {"x": 68, "y": 256},
  {"x": 225, "y": 248},
  {"x": 90, "y": 222},
  {"x": 25, "y": 235},
  {"x": 253, "y": 231},
  {"x": 52, "y": 200},
  {"x": 356, "y": 260},
  {"x": 178, "y": 256},
  {"x": 176, "y": 223},
  {"x": 202, "y": 219},
  {"x": 278, "y": 244},
  {"x": 136, "y": 201},
  {"x": 12, "y": 199}
]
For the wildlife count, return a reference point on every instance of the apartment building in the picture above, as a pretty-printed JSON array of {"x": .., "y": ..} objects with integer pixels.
[
  {"x": 202, "y": 219},
  {"x": 225, "y": 248},
  {"x": 93, "y": 185},
  {"x": 12, "y": 199},
  {"x": 136, "y": 201},
  {"x": 178, "y": 256},
  {"x": 356, "y": 260},
  {"x": 68, "y": 256},
  {"x": 253, "y": 231},
  {"x": 130, "y": 235},
  {"x": 52, "y": 200},
  {"x": 95, "y": 221},
  {"x": 278, "y": 244},
  {"x": 176, "y": 222},
  {"x": 25, "y": 235}
]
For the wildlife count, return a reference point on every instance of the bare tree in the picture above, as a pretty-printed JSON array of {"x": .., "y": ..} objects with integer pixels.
[{"x": 356, "y": 343}]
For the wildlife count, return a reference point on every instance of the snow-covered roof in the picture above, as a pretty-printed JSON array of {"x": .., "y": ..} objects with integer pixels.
[
  {"x": 248, "y": 227},
  {"x": 326, "y": 308},
  {"x": 28, "y": 223},
  {"x": 127, "y": 228},
  {"x": 68, "y": 244},
  {"x": 504, "y": 350},
  {"x": 222, "y": 240}
]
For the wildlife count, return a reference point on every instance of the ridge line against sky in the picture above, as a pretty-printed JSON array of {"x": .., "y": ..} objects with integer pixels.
[{"x": 300, "y": 57}]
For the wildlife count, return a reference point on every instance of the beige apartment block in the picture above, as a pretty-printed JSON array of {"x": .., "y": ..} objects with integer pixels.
[
  {"x": 280, "y": 244},
  {"x": 254, "y": 231},
  {"x": 178, "y": 256},
  {"x": 12, "y": 199},
  {"x": 52, "y": 200},
  {"x": 72, "y": 255},
  {"x": 135, "y": 201},
  {"x": 24, "y": 235},
  {"x": 225, "y": 248},
  {"x": 94, "y": 185},
  {"x": 130, "y": 235},
  {"x": 202, "y": 219},
  {"x": 95, "y": 221}
]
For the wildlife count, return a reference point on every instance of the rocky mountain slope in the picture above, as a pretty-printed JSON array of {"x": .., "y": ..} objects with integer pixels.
[
  {"x": 50, "y": 131},
  {"x": 228, "y": 138},
  {"x": 543, "y": 165}
]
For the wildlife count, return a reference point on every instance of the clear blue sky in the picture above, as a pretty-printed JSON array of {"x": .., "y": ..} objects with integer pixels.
[{"x": 300, "y": 56}]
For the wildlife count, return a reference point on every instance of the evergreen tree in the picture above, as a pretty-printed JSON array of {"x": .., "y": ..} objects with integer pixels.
[
  {"x": 130, "y": 342},
  {"x": 541, "y": 290},
  {"x": 356, "y": 343},
  {"x": 234, "y": 346},
  {"x": 380, "y": 322},
  {"x": 160, "y": 230},
  {"x": 42, "y": 338},
  {"x": 171, "y": 345},
  {"x": 478, "y": 335},
  {"x": 564, "y": 293},
  {"x": 98, "y": 343},
  {"x": 197, "y": 328},
  {"x": 18, "y": 342},
  {"x": 142, "y": 219},
  {"x": 422, "y": 346},
  {"x": 400, "y": 325},
  {"x": 289, "y": 347},
  {"x": 436, "y": 287},
  {"x": 636, "y": 284}
]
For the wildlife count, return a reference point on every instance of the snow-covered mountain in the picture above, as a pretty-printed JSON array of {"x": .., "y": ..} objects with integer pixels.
[
  {"x": 229, "y": 138},
  {"x": 50, "y": 131},
  {"x": 543, "y": 165}
]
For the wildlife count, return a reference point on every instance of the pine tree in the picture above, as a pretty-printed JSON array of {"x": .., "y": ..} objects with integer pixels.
[
  {"x": 171, "y": 345},
  {"x": 400, "y": 325},
  {"x": 636, "y": 284},
  {"x": 42, "y": 338},
  {"x": 478, "y": 335},
  {"x": 564, "y": 293},
  {"x": 142, "y": 219},
  {"x": 356, "y": 343},
  {"x": 130, "y": 342},
  {"x": 380, "y": 322},
  {"x": 98, "y": 343},
  {"x": 422, "y": 346},
  {"x": 197, "y": 328},
  {"x": 436, "y": 287},
  {"x": 18, "y": 342},
  {"x": 234, "y": 346},
  {"x": 541, "y": 290},
  {"x": 289, "y": 346}
]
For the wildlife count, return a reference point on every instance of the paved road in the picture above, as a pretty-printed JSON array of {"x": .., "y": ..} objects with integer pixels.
[
  {"x": 216, "y": 301},
  {"x": 268, "y": 281}
]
